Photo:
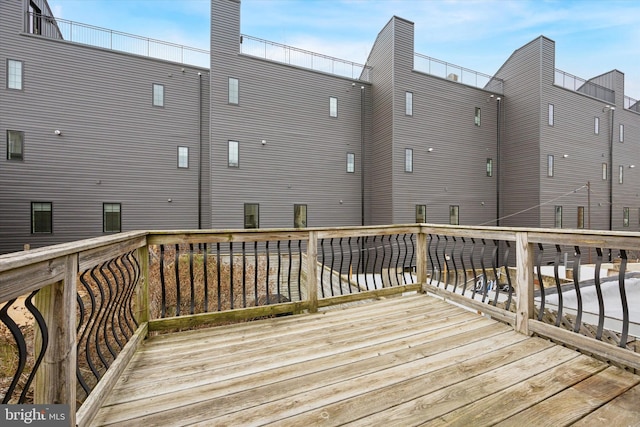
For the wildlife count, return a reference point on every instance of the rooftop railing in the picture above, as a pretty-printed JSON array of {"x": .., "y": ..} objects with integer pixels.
[
  {"x": 576, "y": 84},
  {"x": 456, "y": 73},
  {"x": 303, "y": 58},
  {"x": 631, "y": 104},
  {"x": 90, "y": 35}
]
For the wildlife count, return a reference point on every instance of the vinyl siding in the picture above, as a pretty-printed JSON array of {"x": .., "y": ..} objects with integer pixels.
[
  {"x": 304, "y": 158},
  {"x": 115, "y": 147}
]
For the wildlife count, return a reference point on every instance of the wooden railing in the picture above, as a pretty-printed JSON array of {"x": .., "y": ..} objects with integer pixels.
[{"x": 87, "y": 305}]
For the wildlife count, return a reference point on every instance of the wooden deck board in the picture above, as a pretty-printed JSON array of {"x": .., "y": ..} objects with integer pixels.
[{"x": 402, "y": 361}]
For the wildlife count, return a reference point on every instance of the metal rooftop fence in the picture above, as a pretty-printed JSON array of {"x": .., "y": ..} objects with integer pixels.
[
  {"x": 456, "y": 73},
  {"x": 576, "y": 84},
  {"x": 631, "y": 104},
  {"x": 303, "y": 58}
]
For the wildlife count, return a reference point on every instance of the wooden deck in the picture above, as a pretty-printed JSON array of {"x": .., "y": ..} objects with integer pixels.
[{"x": 413, "y": 360}]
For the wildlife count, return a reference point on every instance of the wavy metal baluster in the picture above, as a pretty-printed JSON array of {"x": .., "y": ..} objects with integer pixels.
[
  {"x": 44, "y": 333},
  {"x": 452, "y": 255},
  {"x": 101, "y": 313},
  {"x": 176, "y": 265},
  {"x": 163, "y": 305},
  {"x": 494, "y": 267},
  {"x": 439, "y": 265},
  {"x": 384, "y": 256},
  {"x": 278, "y": 270},
  {"x": 599, "y": 295},
  {"x": 366, "y": 259},
  {"x": 397, "y": 259},
  {"x": 508, "y": 275},
  {"x": 540, "y": 281},
  {"x": 110, "y": 306},
  {"x": 20, "y": 343},
  {"x": 473, "y": 268},
  {"x": 431, "y": 257},
  {"x": 289, "y": 270},
  {"x": 114, "y": 304},
  {"x": 333, "y": 257},
  {"x": 256, "y": 272},
  {"x": 192, "y": 287},
  {"x": 341, "y": 269},
  {"x": 205, "y": 275},
  {"x": 464, "y": 267},
  {"x": 299, "y": 270},
  {"x": 218, "y": 276},
  {"x": 231, "y": 281},
  {"x": 556, "y": 264},
  {"x": 358, "y": 266},
  {"x": 322, "y": 268},
  {"x": 485, "y": 279},
  {"x": 576, "y": 285},
  {"x": 447, "y": 258},
  {"x": 623, "y": 299},
  {"x": 404, "y": 260},
  {"x": 131, "y": 266}
]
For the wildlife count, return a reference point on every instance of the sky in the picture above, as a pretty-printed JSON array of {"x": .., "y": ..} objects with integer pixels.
[{"x": 592, "y": 37}]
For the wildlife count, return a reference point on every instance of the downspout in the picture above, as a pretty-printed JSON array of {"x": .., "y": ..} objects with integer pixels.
[
  {"x": 498, "y": 164},
  {"x": 611, "y": 109},
  {"x": 361, "y": 155},
  {"x": 199, "y": 151}
]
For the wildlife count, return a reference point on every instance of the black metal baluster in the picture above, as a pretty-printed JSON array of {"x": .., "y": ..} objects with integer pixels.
[
  {"x": 176, "y": 264},
  {"x": 485, "y": 279},
  {"x": 340, "y": 271},
  {"x": 438, "y": 263},
  {"x": 395, "y": 272},
  {"x": 331, "y": 271},
  {"x": 255, "y": 272},
  {"x": 192, "y": 287},
  {"x": 218, "y": 273},
  {"x": 556, "y": 264},
  {"x": 42, "y": 326},
  {"x": 278, "y": 271},
  {"x": 322, "y": 268},
  {"x": 266, "y": 248},
  {"x": 623, "y": 299},
  {"x": 540, "y": 281},
  {"x": 576, "y": 285},
  {"x": 453, "y": 262},
  {"x": 366, "y": 260},
  {"x": 446, "y": 257},
  {"x": 231, "y": 263},
  {"x": 464, "y": 268},
  {"x": 299, "y": 270},
  {"x": 599, "y": 294},
  {"x": 473, "y": 268},
  {"x": 495, "y": 266},
  {"x": 163, "y": 306},
  {"x": 506, "y": 272},
  {"x": 431, "y": 258},
  {"x": 205, "y": 274},
  {"x": 20, "y": 343},
  {"x": 289, "y": 271},
  {"x": 244, "y": 276},
  {"x": 382, "y": 264},
  {"x": 358, "y": 266}
]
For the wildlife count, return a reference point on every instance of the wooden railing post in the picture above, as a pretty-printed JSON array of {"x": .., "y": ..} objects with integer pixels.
[
  {"x": 421, "y": 259},
  {"x": 142, "y": 292},
  {"x": 55, "y": 381},
  {"x": 312, "y": 271},
  {"x": 524, "y": 283}
]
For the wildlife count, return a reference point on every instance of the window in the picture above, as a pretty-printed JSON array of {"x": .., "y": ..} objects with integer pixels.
[
  {"x": 299, "y": 216},
  {"x": 234, "y": 91},
  {"x": 351, "y": 162},
  {"x": 183, "y": 157},
  {"x": 558, "y": 217},
  {"x": 621, "y": 133},
  {"x": 476, "y": 119},
  {"x": 620, "y": 173},
  {"x": 551, "y": 115},
  {"x": 14, "y": 74},
  {"x": 111, "y": 219},
  {"x": 158, "y": 95},
  {"x": 596, "y": 125},
  {"x": 580, "y": 222},
  {"x": 408, "y": 103},
  {"x": 35, "y": 18},
  {"x": 604, "y": 172},
  {"x": 421, "y": 213},
  {"x": 408, "y": 160},
  {"x": 489, "y": 167},
  {"x": 454, "y": 218},
  {"x": 333, "y": 107},
  {"x": 15, "y": 145},
  {"x": 251, "y": 215},
  {"x": 234, "y": 154},
  {"x": 550, "y": 165},
  {"x": 41, "y": 218},
  {"x": 625, "y": 217}
]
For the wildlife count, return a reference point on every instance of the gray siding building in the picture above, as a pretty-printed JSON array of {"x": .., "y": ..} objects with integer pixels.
[{"x": 99, "y": 137}]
